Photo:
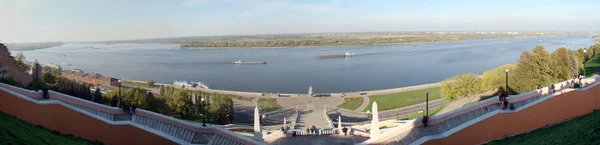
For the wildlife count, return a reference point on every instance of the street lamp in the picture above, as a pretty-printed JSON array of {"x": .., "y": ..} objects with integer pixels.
[
  {"x": 203, "y": 112},
  {"x": 585, "y": 60},
  {"x": 506, "y": 87},
  {"x": 427, "y": 103},
  {"x": 119, "y": 100}
]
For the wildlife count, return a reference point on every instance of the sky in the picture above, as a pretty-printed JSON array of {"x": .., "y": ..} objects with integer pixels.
[{"x": 98, "y": 20}]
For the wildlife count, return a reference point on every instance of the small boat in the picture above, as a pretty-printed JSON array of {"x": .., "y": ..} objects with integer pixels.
[
  {"x": 249, "y": 62},
  {"x": 347, "y": 54}
]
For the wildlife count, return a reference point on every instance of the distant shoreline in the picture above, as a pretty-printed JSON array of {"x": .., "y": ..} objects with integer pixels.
[{"x": 407, "y": 43}]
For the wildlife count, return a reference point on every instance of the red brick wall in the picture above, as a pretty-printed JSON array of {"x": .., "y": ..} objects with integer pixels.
[
  {"x": 551, "y": 111},
  {"x": 13, "y": 70},
  {"x": 59, "y": 118}
]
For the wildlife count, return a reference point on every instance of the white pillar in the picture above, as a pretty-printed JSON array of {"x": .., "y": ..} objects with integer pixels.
[
  {"x": 257, "y": 130},
  {"x": 284, "y": 121},
  {"x": 375, "y": 123},
  {"x": 340, "y": 123}
]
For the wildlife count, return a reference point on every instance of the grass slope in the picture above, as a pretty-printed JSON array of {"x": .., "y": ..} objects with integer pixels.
[
  {"x": 432, "y": 112},
  {"x": 397, "y": 100},
  {"x": 135, "y": 84},
  {"x": 582, "y": 130},
  {"x": 268, "y": 104},
  {"x": 592, "y": 66},
  {"x": 16, "y": 131},
  {"x": 351, "y": 104}
]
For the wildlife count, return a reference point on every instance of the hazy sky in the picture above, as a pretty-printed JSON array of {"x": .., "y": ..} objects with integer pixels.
[{"x": 90, "y": 20}]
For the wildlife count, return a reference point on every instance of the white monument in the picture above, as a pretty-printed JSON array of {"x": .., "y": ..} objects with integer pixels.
[
  {"x": 284, "y": 121},
  {"x": 375, "y": 122},
  {"x": 340, "y": 123},
  {"x": 310, "y": 91},
  {"x": 257, "y": 131}
]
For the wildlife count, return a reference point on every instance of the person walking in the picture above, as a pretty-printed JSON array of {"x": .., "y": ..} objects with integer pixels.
[
  {"x": 133, "y": 107},
  {"x": 345, "y": 130}
]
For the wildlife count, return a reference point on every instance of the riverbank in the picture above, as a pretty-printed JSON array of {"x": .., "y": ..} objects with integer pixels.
[
  {"x": 360, "y": 41},
  {"x": 275, "y": 95}
]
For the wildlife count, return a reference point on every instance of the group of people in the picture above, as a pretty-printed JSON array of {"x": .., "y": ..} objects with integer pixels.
[
  {"x": 345, "y": 130},
  {"x": 129, "y": 109},
  {"x": 576, "y": 82}
]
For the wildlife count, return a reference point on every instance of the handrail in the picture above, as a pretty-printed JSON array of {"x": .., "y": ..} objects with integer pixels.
[
  {"x": 512, "y": 99},
  {"x": 111, "y": 122},
  {"x": 141, "y": 112}
]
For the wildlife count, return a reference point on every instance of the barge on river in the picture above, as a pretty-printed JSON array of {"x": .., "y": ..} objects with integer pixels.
[{"x": 347, "y": 54}]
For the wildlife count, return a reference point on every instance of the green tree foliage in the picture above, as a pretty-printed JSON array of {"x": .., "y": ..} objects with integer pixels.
[
  {"x": 48, "y": 78},
  {"x": 98, "y": 96},
  {"x": 573, "y": 64},
  {"x": 80, "y": 90},
  {"x": 181, "y": 103},
  {"x": 527, "y": 75},
  {"x": 496, "y": 78},
  {"x": 150, "y": 83},
  {"x": 461, "y": 86},
  {"x": 220, "y": 109},
  {"x": 562, "y": 64},
  {"x": 20, "y": 60},
  {"x": 544, "y": 61}
]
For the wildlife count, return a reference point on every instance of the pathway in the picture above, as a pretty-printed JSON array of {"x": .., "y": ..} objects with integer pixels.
[
  {"x": 459, "y": 103},
  {"x": 320, "y": 140},
  {"x": 311, "y": 115},
  {"x": 364, "y": 104}
]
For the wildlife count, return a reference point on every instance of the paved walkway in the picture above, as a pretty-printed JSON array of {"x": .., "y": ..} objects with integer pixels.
[
  {"x": 320, "y": 140},
  {"x": 311, "y": 115},
  {"x": 466, "y": 100},
  {"x": 364, "y": 104}
]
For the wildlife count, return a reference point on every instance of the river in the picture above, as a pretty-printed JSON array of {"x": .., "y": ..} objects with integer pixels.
[{"x": 292, "y": 70}]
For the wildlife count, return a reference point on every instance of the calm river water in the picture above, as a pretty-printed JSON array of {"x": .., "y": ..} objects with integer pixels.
[{"x": 292, "y": 70}]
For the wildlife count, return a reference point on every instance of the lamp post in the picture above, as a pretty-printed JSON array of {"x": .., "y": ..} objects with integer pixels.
[
  {"x": 203, "y": 112},
  {"x": 427, "y": 103},
  {"x": 506, "y": 87},
  {"x": 585, "y": 60},
  {"x": 119, "y": 100}
]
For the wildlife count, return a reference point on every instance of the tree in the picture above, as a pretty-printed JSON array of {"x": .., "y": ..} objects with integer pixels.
[
  {"x": 19, "y": 57},
  {"x": 97, "y": 96},
  {"x": 461, "y": 86},
  {"x": 573, "y": 64},
  {"x": 496, "y": 78},
  {"x": 150, "y": 83},
  {"x": 543, "y": 60},
  {"x": 562, "y": 64},
  {"x": 180, "y": 103},
  {"x": 527, "y": 75},
  {"x": 48, "y": 78}
]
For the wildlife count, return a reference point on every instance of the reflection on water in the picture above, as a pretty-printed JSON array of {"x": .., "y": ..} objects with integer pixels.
[{"x": 292, "y": 70}]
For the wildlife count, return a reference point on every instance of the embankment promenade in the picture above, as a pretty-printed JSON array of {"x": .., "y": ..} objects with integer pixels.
[{"x": 274, "y": 95}]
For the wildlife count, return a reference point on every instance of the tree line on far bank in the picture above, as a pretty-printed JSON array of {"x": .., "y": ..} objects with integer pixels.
[{"x": 534, "y": 70}]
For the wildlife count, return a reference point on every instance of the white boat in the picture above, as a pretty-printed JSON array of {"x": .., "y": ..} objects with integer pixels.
[
  {"x": 190, "y": 84},
  {"x": 249, "y": 62}
]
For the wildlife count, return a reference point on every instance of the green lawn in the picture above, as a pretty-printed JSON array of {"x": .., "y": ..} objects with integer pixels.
[
  {"x": 135, "y": 84},
  {"x": 397, "y": 100},
  {"x": 592, "y": 66},
  {"x": 432, "y": 112},
  {"x": 582, "y": 130},
  {"x": 16, "y": 131},
  {"x": 268, "y": 104},
  {"x": 351, "y": 104}
]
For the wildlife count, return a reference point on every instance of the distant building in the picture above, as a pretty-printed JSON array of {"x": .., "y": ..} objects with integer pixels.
[{"x": 92, "y": 78}]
